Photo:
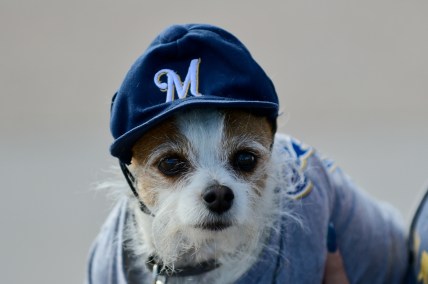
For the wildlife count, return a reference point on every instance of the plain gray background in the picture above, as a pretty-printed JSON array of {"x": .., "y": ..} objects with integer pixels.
[{"x": 352, "y": 79}]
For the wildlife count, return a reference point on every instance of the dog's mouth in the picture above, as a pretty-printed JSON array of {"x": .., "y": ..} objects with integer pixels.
[{"x": 214, "y": 226}]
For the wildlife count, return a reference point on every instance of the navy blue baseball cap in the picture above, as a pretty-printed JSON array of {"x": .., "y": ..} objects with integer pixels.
[{"x": 194, "y": 65}]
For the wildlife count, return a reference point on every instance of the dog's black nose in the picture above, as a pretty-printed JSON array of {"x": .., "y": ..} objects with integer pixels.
[{"x": 218, "y": 198}]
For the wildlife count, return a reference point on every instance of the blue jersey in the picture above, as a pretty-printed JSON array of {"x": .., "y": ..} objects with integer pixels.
[{"x": 369, "y": 233}]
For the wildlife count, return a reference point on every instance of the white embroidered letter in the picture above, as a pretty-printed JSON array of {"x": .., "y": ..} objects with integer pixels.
[{"x": 174, "y": 82}]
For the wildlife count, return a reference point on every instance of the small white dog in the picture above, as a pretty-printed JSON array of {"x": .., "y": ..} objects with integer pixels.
[
  {"x": 207, "y": 177},
  {"x": 218, "y": 196}
]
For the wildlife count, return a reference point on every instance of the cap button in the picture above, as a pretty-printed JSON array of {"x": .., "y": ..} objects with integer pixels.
[{"x": 173, "y": 33}]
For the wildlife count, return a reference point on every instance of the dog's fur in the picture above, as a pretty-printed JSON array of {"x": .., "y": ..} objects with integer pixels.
[{"x": 183, "y": 231}]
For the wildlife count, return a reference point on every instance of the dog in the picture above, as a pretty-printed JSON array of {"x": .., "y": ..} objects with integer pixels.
[
  {"x": 206, "y": 175},
  {"x": 217, "y": 195}
]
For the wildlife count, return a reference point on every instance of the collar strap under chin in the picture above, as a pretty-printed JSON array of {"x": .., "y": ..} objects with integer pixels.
[
  {"x": 191, "y": 270},
  {"x": 130, "y": 179}
]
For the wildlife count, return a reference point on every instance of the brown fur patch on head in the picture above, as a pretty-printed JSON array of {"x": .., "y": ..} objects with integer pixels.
[
  {"x": 163, "y": 139},
  {"x": 245, "y": 124},
  {"x": 242, "y": 126}
]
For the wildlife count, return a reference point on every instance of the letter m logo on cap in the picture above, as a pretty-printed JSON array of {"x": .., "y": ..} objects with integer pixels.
[{"x": 173, "y": 82}]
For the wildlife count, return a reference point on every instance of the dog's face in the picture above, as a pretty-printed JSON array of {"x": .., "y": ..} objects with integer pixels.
[{"x": 204, "y": 175}]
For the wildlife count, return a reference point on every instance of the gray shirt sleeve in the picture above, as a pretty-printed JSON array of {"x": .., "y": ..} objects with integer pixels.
[
  {"x": 105, "y": 265},
  {"x": 370, "y": 234}
]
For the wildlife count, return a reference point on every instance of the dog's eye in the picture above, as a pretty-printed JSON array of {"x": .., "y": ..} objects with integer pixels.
[
  {"x": 172, "y": 166},
  {"x": 244, "y": 161}
]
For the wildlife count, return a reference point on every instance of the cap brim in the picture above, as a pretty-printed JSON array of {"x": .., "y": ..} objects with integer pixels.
[{"x": 122, "y": 146}]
